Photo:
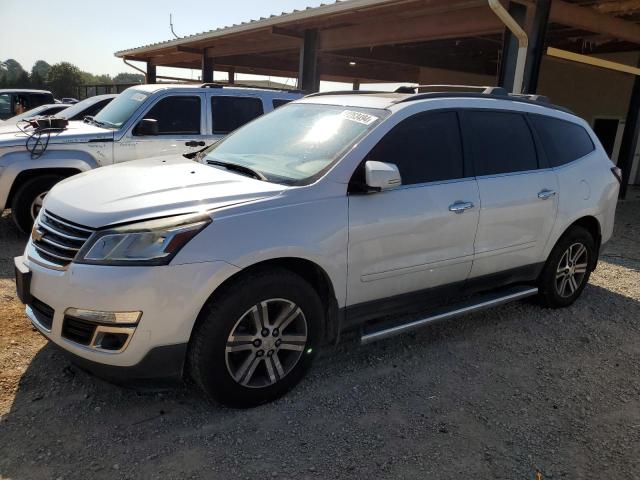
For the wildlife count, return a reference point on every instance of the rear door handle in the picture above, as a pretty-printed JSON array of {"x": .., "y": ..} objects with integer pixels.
[
  {"x": 460, "y": 207},
  {"x": 194, "y": 143},
  {"x": 546, "y": 194}
]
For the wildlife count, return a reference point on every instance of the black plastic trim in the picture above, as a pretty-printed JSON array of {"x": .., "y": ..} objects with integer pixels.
[
  {"x": 437, "y": 297},
  {"x": 161, "y": 366}
]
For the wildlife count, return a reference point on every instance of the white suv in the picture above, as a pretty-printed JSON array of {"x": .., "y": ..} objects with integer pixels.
[{"x": 372, "y": 212}]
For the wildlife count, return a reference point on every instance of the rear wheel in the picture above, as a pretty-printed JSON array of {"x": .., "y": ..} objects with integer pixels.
[
  {"x": 256, "y": 339},
  {"x": 27, "y": 201},
  {"x": 568, "y": 268}
]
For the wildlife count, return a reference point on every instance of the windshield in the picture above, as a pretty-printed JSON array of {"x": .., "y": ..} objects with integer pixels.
[
  {"x": 295, "y": 142},
  {"x": 120, "y": 109},
  {"x": 78, "y": 108}
]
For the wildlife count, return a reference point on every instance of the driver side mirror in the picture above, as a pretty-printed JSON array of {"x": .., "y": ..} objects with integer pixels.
[
  {"x": 381, "y": 176},
  {"x": 146, "y": 127}
]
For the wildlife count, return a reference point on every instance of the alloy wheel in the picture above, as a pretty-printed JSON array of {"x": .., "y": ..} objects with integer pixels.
[
  {"x": 571, "y": 270},
  {"x": 266, "y": 343}
]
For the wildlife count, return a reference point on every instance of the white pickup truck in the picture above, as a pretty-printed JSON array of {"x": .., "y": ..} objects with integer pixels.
[{"x": 143, "y": 121}]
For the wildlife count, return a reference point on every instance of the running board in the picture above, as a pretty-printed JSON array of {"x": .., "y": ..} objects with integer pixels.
[{"x": 482, "y": 302}]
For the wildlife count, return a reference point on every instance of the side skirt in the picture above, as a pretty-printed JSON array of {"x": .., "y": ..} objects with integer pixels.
[{"x": 435, "y": 301}]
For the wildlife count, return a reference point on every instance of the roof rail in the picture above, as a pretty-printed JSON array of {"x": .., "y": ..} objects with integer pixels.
[
  {"x": 347, "y": 92},
  {"x": 485, "y": 90},
  {"x": 539, "y": 100},
  {"x": 242, "y": 85}
]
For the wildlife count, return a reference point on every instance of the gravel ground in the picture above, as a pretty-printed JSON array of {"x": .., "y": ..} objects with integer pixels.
[{"x": 514, "y": 392}]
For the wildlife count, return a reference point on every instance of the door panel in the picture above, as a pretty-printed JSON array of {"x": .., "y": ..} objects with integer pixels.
[
  {"x": 514, "y": 222},
  {"x": 407, "y": 239},
  {"x": 172, "y": 140},
  {"x": 518, "y": 196}
]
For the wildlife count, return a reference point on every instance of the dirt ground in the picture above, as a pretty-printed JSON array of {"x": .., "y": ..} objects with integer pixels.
[{"x": 507, "y": 393}]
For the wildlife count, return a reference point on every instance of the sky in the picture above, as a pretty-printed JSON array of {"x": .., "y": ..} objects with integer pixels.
[{"x": 87, "y": 33}]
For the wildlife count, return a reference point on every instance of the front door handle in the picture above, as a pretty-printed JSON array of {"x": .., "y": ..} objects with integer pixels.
[
  {"x": 460, "y": 207},
  {"x": 546, "y": 194},
  {"x": 194, "y": 143}
]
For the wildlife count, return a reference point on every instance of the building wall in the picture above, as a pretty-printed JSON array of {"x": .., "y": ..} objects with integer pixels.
[{"x": 588, "y": 91}]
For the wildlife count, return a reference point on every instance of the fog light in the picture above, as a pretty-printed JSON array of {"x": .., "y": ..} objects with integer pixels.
[
  {"x": 96, "y": 316},
  {"x": 111, "y": 340}
]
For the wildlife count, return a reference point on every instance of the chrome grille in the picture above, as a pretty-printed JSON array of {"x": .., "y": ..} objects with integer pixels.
[{"x": 58, "y": 240}]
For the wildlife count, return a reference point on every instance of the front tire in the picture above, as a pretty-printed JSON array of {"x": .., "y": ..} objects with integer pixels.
[
  {"x": 568, "y": 268},
  {"x": 28, "y": 199},
  {"x": 256, "y": 339}
]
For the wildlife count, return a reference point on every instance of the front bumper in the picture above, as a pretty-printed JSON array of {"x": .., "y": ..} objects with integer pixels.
[{"x": 170, "y": 298}]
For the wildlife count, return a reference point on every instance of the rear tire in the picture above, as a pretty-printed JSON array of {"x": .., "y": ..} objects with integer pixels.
[
  {"x": 27, "y": 200},
  {"x": 256, "y": 339},
  {"x": 568, "y": 268}
]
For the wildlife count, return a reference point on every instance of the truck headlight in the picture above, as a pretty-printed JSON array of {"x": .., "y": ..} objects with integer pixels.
[{"x": 153, "y": 242}]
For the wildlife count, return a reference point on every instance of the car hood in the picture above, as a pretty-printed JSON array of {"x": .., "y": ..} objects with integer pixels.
[
  {"x": 76, "y": 132},
  {"x": 150, "y": 188}
]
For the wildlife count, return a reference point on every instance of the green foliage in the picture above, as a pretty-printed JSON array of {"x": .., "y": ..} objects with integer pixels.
[
  {"x": 61, "y": 78},
  {"x": 39, "y": 73},
  {"x": 128, "y": 78},
  {"x": 13, "y": 75}
]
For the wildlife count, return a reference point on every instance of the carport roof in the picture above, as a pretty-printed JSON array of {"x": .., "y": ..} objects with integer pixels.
[{"x": 362, "y": 38}]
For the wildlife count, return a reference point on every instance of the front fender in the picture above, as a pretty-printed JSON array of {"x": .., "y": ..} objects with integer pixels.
[{"x": 14, "y": 163}]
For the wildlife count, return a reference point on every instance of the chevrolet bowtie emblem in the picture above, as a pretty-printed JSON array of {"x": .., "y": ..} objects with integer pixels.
[{"x": 37, "y": 234}]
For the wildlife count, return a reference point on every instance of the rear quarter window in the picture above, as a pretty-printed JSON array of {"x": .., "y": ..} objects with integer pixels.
[
  {"x": 563, "y": 141},
  {"x": 230, "y": 113}
]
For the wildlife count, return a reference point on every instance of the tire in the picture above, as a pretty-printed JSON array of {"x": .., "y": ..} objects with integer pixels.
[
  {"x": 567, "y": 269},
  {"x": 224, "y": 357},
  {"x": 24, "y": 203}
]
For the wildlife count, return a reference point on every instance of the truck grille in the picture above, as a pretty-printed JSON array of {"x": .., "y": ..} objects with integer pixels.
[{"x": 57, "y": 240}]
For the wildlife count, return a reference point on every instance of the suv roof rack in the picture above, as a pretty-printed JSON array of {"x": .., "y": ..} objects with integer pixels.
[
  {"x": 348, "y": 92},
  {"x": 485, "y": 90},
  {"x": 444, "y": 91},
  {"x": 242, "y": 85}
]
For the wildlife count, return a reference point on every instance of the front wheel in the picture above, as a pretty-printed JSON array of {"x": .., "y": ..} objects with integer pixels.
[
  {"x": 28, "y": 199},
  {"x": 256, "y": 339},
  {"x": 568, "y": 268}
]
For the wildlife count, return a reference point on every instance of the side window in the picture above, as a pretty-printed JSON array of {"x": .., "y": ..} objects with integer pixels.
[
  {"x": 230, "y": 113},
  {"x": 5, "y": 105},
  {"x": 37, "y": 99},
  {"x": 278, "y": 102},
  {"x": 501, "y": 142},
  {"x": 177, "y": 115},
  {"x": 425, "y": 147},
  {"x": 563, "y": 141}
]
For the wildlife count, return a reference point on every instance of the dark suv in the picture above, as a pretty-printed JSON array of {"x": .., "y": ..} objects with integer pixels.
[{"x": 10, "y": 98}]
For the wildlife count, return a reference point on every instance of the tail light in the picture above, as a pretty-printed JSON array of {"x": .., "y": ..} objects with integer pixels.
[{"x": 617, "y": 173}]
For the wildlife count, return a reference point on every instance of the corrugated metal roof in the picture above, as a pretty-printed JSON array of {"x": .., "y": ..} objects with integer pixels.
[{"x": 309, "y": 12}]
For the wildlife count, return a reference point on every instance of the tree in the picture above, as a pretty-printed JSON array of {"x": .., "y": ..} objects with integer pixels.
[
  {"x": 12, "y": 75},
  {"x": 39, "y": 73},
  {"x": 63, "y": 78},
  {"x": 127, "y": 77}
]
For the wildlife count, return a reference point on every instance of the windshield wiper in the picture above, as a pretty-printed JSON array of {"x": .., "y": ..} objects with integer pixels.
[
  {"x": 93, "y": 121},
  {"x": 239, "y": 168}
]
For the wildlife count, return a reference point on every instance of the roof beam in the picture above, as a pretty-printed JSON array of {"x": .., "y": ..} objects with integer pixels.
[
  {"x": 455, "y": 24},
  {"x": 588, "y": 19}
]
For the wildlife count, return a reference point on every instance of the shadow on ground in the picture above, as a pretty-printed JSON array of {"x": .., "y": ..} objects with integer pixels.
[
  {"x": 499, "y": 394},
  {"x": 12, "y": 244}
]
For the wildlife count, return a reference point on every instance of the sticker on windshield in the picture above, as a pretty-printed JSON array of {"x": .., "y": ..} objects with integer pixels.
[
  {"x": 359, "y": 117},
  {"x": 138, "y": 97}
]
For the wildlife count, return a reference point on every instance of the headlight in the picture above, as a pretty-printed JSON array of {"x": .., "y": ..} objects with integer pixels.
[{"x": 154, "y": 242}]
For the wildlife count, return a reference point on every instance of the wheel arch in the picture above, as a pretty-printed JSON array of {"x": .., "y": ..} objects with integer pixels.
[
  {"x": 592, "y": 225},
  {"x": 27, "y": 175},
  {"x": 310, "y": 271}
]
